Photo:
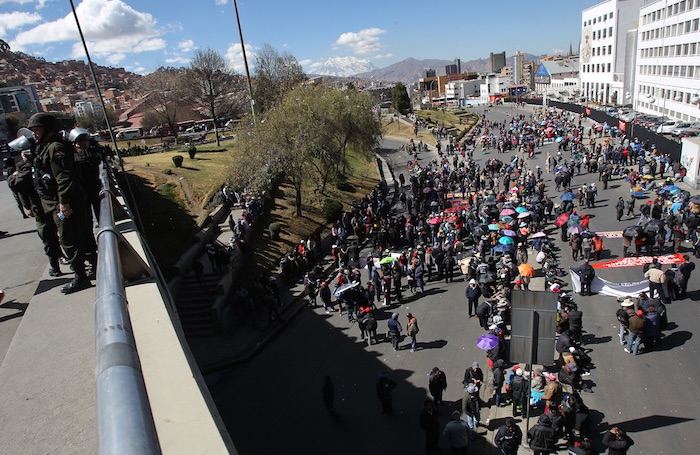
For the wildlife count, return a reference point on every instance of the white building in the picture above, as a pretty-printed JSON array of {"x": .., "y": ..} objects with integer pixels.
[
  {"x": 558, "y": 78},
  {"x": 494, "y": 86},
  {"x": 85, "y": 108},
  {"x": 608, "y": 40},
  {"x": 667, "y": 80},
  {"x": 463, "y": 89}
]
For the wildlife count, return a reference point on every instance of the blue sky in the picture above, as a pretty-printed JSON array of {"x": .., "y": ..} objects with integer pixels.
[{"x": 146, "y": 34}]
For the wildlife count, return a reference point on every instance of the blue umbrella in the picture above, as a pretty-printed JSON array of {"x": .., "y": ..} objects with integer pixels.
[
  {"x": 494, "y": 227},
  {"x": 500, "y": 248},
  {"x": 669, "y": 188},
  {"x": 559, "y": 139},
  {"x": 507, "y": 218},
  {"x": 345, "y": 287},
  {"x": 520, "y": 209},
  {"x": 505, "y": 240},
  {"x": 638, "y": 194},
  {"x": 568, "y": 196}
]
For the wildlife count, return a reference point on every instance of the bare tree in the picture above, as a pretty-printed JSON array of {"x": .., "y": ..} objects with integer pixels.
[
  {"x": 166, "y": 95},
  {"x": 212, "y": 78},
  {"x": 275, "y": 75}
]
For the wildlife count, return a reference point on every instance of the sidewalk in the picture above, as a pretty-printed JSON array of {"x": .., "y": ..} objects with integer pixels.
[{"x": 244, "y": 340}]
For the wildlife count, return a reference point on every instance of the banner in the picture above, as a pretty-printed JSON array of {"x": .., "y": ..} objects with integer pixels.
[
  {"x": 610, "y": 234},
  {"x": 638, "y": 261},
  {"x": 605, "y": 287}
]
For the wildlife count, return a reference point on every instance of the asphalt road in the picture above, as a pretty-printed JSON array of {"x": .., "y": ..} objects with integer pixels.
[
  {"x": 273, "y": 403},
  {"x": 21, "y": 265}
]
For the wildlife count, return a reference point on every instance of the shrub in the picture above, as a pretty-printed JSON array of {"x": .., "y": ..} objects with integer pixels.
[
  {"x": 332, "y": 209},
  {"x": 191, "y": 151},
  {"x": 167, "y": 171},
  {"x": 177, "y": 160},
  {"x": 274, "y": 229}
]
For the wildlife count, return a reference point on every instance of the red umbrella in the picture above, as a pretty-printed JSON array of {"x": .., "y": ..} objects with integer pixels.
[
  {"x": 435, "y": 220},
  {"x": 453, "y": 219},
  {"x": 561, "y": 219}
]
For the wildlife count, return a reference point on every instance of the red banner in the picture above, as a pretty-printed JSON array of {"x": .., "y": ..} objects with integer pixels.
[
  {"x": 638, "y": 261},
  {"x": 622, "y": 125}
]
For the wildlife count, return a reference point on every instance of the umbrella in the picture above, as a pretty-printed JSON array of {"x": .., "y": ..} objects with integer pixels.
[
  {"x": 520, "y": 210},
  {"x": 526, "y": 270},
  {"x": 434, "y": 204},
  {"x": 524, "y": 215},
  {"x": 487, "y": 342},
  {"x": 507, "y": 219},
  {"x": 345, "y": 287},
  {"x": 494, "y": 227},
  {"x": 561, "y": 219},
  {"x": 506, "y": 212},
  {"x": 500, "y": 248},
  {"x": 649, "y": 177},
  {"x": 490, "y": 202},
  {"x": 575, "y": 229},
  {"x": 539, "y": 235},
  {"x": 505, "y": 240},
  {"x": 632, "y": 231},
  {"x": 387, "y": 260},
  {"x": 568, "y": 196},
  {"x": 587, "y": 234},
  {"x": 427, "y": 190},
  {"x": 559, "y": 139},
  {"x": 654, "y": 226},
  {"x": 435, "y": 220},
  {"x": 453, "y": 219},
  {"x": 509, "y": 233},
  {"x": 514, "y": 190},
  {"x": 638, "y": 194},
  {"x": 452, "y": 209},
  {"x": 695, "y": 199}
]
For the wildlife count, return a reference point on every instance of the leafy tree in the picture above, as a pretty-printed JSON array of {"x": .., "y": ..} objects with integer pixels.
[
  {"x": 275, "y": 75},
  {"x": 400, "y": 99},
  {"x": 166, "y": 90},
  {"x": 95, "y": 121}
]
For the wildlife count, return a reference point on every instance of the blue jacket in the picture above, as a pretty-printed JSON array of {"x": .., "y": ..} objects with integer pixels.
[
  {"x": 473, "y": 292},
  {"x": 394, "y": 325}
]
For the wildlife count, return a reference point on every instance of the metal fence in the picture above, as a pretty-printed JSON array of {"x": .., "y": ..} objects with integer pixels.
[{"x": 124, "y": 419}]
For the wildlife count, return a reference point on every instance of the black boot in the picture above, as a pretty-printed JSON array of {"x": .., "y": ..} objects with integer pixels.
[
  {"x": 54, "y": 268},
  {"x": 79, "y": 283}
]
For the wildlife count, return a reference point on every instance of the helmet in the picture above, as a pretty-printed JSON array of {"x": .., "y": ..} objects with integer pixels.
[
  {"x": 44, "y": 120},
  {"x": 75, "y": 133},
  {"x": 19, "y": 144}
]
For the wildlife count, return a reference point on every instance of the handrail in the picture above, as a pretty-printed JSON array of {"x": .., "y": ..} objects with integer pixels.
[{"x": 124, "y": 419}]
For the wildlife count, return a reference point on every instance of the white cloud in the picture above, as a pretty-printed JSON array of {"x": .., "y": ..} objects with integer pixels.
[
  {"x": 221, "y": 2},
  {"x": 305, "y": 62},
  {"x": 389, "y": 55},
  {"x": 115, "y": 58},
  {"x": 186, "y": 45},
  {"x": 315, "y": 65},
  {"x": 557, "y": 51},
  {"x": 109, "y": 26},
  {"x": 182, "y": 60},
  {"x": 234, "y": 55},
  {"x": 15, "y": 20},
  {"x": 39, "y": 3},
  {"x": 363, "y": 42}
]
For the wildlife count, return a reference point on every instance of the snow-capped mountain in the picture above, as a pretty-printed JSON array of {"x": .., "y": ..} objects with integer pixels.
[{"x": 343, "y": 67}]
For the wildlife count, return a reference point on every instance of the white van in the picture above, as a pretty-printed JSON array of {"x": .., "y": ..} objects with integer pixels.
[{"x": 133, "y": 133}]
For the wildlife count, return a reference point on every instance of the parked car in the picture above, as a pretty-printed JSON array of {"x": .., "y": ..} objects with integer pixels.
[
  {"x": 667, "y": 126},
  {"x": 684, "y": 126},
  {"x": 690, "y": 132}
]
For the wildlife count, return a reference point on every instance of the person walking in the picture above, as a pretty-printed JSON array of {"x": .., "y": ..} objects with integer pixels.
[
  {"x": 586, "y": 247},
  {"x": 430, "y": 423},
  {"x": 656, "y": 280},
  {"x": 630, "y": 206},
  {"x": 498, "y": 380},
  {"x": 623, "y": 315},
  {"x": 328, "y": 394},
  {"x": 509, "y": 437},
  {"x": 598, "y": 246},
  {"x": 437, "y": 384},
  {"x": 519, "y": 392},
  {"x": 471, "y": 407},
  {"x": 457, "y": 433},
  {"x": 586, "y": 273},
  {"x": 620, "y": 208},
  {"x": 617, "y": 441},
  {"x": 686, "y": 268},
  {"x": 542, "y": 437},
  {"x": 473, "y": 293},
  {"x": 325, "y": 294},
  {"x": 385, "y": 390},
  {"x": 636, "y": 332},
  {"x": 412, "y": 330},
  {"x": 395, "y": 330}
]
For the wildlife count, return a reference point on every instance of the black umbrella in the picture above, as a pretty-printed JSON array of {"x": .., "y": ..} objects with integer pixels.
[
  {"x": 488, "y": 203},
  {"x": 632, "y": 231},
  {"x": 480, "y": 230},
  {"x": 695, "y": 199},
  {"x": 488, "y": 277},
  {"x": 654, "y": 226}
]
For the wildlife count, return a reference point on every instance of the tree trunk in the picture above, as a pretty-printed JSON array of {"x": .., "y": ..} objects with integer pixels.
[{"x": 297, "y": 198}]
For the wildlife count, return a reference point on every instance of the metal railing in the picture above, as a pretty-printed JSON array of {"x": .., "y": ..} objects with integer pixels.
[{"x": 124, "y": 419}]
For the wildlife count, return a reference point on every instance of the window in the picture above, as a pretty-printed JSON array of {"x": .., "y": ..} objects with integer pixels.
[
  {"x": 594, "y": 20},
  {"x": 687, "y": 27},
  {"x": 605, "y": 33},
  {"x": 608, "y": 67},
  {"x": 610, "y": 32},
  {"x": 681, "y": 6},
  {"x": 611, "y": 14},
  {"x": 605, "y": 17},
  {"x": 683, "y": 71},
  {"x": 696, "y": 22},
  {"x": 692, "y": 48}
]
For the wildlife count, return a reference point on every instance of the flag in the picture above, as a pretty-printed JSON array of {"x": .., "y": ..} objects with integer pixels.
[{"x": 622, "y": 125}]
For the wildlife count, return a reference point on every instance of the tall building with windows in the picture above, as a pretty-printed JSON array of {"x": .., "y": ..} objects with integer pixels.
[
  {"x": 608, "y": 38},
  {"x": 667, "y": 80}
]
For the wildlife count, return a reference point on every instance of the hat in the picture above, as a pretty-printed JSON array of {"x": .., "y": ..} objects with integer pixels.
[
  {"x": 571, "y": 367},
  {"x": 640, "y": 313},
  {"x": 394, "y": 315},
  {"x": 493, "y": 327},
  {"x": 510, "y": 423},
  {"x": 472, "y": 281},
  {"x": 549, "y": 376},
  {"x": 627, "y": 302},
  {"x": 475, "y": 365},
  {"x": 572, "y": 349},
  {"x": 518, "y": 371}
]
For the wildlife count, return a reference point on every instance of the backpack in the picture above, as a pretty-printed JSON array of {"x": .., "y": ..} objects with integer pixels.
[
  {"x": 622, "y": 316},
  {"x": 413, "y": 327}
]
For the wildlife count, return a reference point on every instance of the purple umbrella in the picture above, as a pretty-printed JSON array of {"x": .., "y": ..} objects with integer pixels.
[
  {"x": 575, "y": 229},
  {"x": 487, "y": 342}
]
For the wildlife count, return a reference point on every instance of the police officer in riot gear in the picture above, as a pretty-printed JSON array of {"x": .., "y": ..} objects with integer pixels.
[
  {"x": 88, "y": 157},
  {"x": 45, "y": 226},
  {"x": 59, "y": 191}
]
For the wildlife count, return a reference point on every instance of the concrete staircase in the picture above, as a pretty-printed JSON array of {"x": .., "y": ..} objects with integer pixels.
[{"x": 194, "y": 305}]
